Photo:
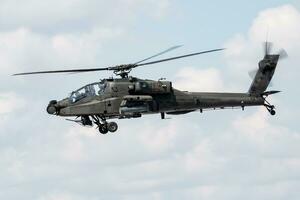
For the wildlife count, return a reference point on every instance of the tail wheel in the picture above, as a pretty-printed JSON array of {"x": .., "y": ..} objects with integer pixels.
[
  {"x": 272, "y": 112},
  {"x": 112, "y": 126},
  {"x": 270, "y": 108}
]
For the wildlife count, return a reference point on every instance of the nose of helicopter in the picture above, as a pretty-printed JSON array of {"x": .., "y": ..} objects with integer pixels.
[{"x": 55, "y": 106}]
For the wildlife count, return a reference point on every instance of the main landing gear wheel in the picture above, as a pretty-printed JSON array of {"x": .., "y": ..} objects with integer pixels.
[
  {"x": 112, "y": 127},
  {"x": 103, "y": 129},
  {"x": 103, "y": 125}
]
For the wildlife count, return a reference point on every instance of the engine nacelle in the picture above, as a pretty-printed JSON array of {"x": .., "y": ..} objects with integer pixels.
[{"x": 151, "y": 87}]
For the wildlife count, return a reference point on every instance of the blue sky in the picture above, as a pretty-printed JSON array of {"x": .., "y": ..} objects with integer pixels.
[{"x": 215, "y": 155}]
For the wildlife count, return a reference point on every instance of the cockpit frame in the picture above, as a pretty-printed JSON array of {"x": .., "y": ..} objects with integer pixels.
[{"x": 89, "y": 90}]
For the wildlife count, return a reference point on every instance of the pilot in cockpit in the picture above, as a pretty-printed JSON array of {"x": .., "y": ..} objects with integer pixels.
[{"x": 91, "y": 90}]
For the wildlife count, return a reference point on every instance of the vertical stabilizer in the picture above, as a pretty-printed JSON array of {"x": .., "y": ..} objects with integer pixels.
[{"x": 264, "y": 74}]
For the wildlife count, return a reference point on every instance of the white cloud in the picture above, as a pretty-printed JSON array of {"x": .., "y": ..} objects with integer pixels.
[
  {"x": 34, "y": 50},
  {"x": 27, "y": 44},
  {"x": 53, "y": 16},
  {"x": 192, "y": 79},
  {"x": 200, "y": 158},
  {"x": 10, "y": 102},
  {"x": 281, "y": 24},
  {"x": 267, "y": 136},
  {"x": 257, "y": 121},
  {"x": 160, "y": 140}
]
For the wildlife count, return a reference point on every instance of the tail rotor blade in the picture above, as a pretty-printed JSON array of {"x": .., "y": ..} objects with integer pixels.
[{"x": 282, "y": 54}]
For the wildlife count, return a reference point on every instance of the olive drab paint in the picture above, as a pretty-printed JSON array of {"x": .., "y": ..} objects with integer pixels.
[{"x": 130, "y": 97}]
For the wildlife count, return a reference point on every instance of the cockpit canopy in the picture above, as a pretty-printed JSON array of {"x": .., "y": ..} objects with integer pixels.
[{"x": 94, "y": 89}]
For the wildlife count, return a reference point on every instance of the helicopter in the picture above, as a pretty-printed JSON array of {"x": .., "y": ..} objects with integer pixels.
[{"x": 129, "y": 97}]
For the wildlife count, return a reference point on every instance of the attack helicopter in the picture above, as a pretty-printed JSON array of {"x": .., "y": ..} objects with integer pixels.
[{"x": 131, "y": 97}]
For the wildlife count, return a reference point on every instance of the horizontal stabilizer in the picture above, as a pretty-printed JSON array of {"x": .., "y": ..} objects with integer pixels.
[{"x": 268, "y": 93}]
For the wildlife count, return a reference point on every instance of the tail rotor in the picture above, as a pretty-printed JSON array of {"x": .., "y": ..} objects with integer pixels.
[
  {"x": 268, "y": 58},
  {"x": 262, "y": 76}
]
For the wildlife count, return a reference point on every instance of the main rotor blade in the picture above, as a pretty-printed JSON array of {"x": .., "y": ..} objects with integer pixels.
[
  {"x": 163, "y": 52},
  {"x": 178, "y": 57},
  {"x": 118, "y": 67},
  {"x": 62, "y": 71}
]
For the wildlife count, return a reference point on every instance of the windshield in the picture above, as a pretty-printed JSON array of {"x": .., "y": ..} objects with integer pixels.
[{"x": 94, "y": 89}]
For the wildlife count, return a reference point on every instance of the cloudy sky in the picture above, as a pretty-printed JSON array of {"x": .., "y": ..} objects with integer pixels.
[{"x": 214, "y": 155}]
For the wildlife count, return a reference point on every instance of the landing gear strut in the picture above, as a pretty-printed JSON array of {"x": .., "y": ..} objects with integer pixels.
[
  {"x": 103, "y": 126},
  {"x": 270, "y": 107}
]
